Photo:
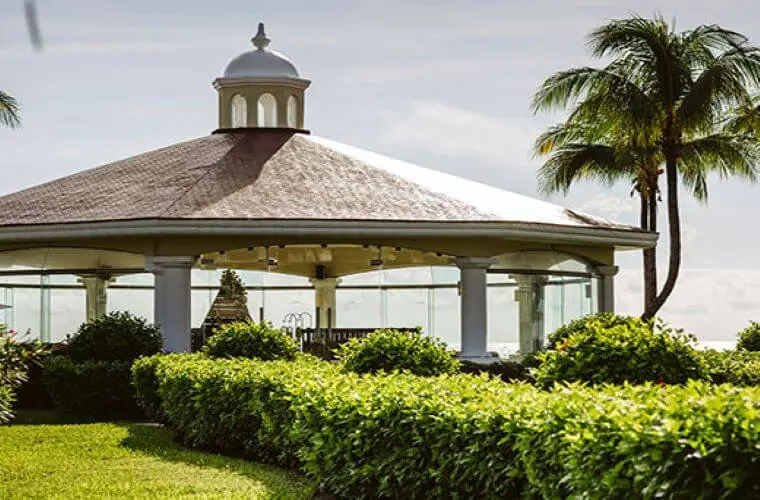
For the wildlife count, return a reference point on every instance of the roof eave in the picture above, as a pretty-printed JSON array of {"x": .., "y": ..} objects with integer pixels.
[{"x": 153, "y": 228}]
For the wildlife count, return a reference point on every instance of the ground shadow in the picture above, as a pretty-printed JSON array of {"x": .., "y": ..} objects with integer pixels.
[
  {"x": 45, "y": 417},
  {"x": 154, "y": 439}
]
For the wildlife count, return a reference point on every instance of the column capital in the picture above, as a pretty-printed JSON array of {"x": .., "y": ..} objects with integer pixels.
[
  {"x": 607, "y": 270},
  {"x": 154, "y": 263},
  {"x": 324, "y": 282},
  {"x": 475, "y": 262},
  {"x": 91, "y": 279}
]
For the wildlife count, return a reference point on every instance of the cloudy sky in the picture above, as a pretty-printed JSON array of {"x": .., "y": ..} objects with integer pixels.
[{"x": 445, "y": 84}]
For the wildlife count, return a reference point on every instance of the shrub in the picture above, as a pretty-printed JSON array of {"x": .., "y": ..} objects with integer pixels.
[
  {"x": 251, "y": 340},
  {"x": 90, "y": 378},
  {"x": 91, "y": 390},
  {"x": 16, "y": 357},
  {"x": 118, "y": 336},
  {"x": 582, "y": 325},
  {"x": 6, "y": 403},
  {"x": 740, "y": 368},
  {"x": 32, "y": 394},
  {"x": 506, "y": 370},
  {"x": 402, "y": 436},
  {"x": 627, "y": 352},
  {"x": 749, "y": 338},
  {"x": 390, "y": 350}
]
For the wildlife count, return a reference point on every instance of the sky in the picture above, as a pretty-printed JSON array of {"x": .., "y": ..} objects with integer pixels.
[{"x": 444, "y": 84}]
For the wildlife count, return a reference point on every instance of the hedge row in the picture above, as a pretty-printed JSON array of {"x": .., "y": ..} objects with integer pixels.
[
  {"x": 91, "y": 390},
  {"x": 740, "y": 368},
  {"x": 463, "y": 436}
]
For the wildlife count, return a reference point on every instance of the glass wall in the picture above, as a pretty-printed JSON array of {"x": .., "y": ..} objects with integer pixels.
[{"x": 50, "y": 307}]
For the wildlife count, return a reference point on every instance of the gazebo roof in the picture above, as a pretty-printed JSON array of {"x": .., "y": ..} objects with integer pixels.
[{"x": 274, "y": 174}]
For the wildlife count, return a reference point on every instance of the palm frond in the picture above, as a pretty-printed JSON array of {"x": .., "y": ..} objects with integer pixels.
[
  {"x": 744, "y": 120},
  {"x": 9, "y": 111},
  {"x": 647, "y": 44},
  {"x": 574, "y": 162},
  {"x": 718, "y": 88},
  {"x": 725, "y": 154},
  {"x": 565, "y": 88}
]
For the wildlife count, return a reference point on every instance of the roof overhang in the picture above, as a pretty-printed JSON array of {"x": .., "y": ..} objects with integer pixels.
[{"x": 360, "y": 229}]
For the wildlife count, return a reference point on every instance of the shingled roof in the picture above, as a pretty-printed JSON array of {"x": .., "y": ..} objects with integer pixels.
[{"x": 266, "y": 174}]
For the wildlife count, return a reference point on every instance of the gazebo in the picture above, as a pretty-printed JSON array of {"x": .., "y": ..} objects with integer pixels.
[{"x": 262, "y": 193}]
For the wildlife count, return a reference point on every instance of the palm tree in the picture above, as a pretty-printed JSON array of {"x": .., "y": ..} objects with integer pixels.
[
  {"x": 9, "y": 111},
  {"x": 583, "y": 152},
  {"x": 666, "y": 93}
]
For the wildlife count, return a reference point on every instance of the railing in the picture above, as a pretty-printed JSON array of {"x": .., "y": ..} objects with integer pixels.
[{"x": 321, "y": 341}]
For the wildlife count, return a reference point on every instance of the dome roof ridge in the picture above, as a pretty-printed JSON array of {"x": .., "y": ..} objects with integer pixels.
[{"x": 261, "y": 62}]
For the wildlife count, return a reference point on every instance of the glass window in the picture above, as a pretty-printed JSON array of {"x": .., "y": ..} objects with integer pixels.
[
  {"x": 267, "y": 111},
  {"x": 407, "y": 308},
  {"x": 358, "y": 308},
  {"x": 239, "y": 111},
  {"x": 67, "y": 311},
  {"x": 292, "y": 112}
]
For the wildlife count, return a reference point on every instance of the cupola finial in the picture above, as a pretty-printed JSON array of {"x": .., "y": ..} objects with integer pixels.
[{"x": 260, "y": 41}]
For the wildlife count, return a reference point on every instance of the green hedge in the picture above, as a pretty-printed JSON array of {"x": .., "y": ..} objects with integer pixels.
[
  {"x": 506, "y": 370},
  {"x": 251, "y": 340},
  {"x": 390, "y": 350},
  {"x": 91, "y": 390},
  {"x": 582, "y": 325},
  {"x": 749, "y": 338},
  {"x": 464, "y": 436},
  {"x": 117, "y": 336},
  {"x": 613, "y": 351},
  {"x": 740, "y": 368}
]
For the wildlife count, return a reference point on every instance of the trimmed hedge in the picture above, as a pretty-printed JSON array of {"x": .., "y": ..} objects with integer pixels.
[
  {"x": 390, "y": 350},
  {"x": 749, "y": 338},
  {"x": 91, "y": 390},
  {"x": 740, "y": 368},
  {"x": 237, "y": 406},
  {"x": 463, "y": 436},
  {"x": 630, "y": 350},
  {"x": 251, "y": 340}
]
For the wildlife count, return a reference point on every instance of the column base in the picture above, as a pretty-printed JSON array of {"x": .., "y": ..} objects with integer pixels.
[{"x": 486, "y": 358}]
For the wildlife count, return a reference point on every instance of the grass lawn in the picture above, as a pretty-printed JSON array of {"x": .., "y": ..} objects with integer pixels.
[{"x": 118, "y": 460}]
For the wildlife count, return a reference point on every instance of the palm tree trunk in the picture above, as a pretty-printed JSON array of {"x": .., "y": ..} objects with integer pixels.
[
  {"x": 674, "y": 229},
  {"x": 650, "y": 254},
  {"x": 644, "y": 222}
]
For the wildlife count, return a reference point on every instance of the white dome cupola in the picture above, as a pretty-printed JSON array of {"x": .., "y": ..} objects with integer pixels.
[{"x": 261, "y": 88}]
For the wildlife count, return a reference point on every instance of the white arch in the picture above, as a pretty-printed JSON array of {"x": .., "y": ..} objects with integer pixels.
[
  {"x": 238, "y": 111},
  {"x": 267, "y": 110},
  {"x": 292, "y": 112}
]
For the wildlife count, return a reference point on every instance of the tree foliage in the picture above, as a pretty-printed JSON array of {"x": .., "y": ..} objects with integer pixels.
[
  {"x": 678, "y": 103},
  {"x": 9, "y": 111}
]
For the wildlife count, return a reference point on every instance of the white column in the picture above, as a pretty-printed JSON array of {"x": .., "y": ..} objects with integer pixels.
[
  {"x": 474, "y": 310},
  {"x": 172, "y": 300},
  {"x": 529, "y": 296},
  {"x": 96, "y": 295},
  {"x": 325, "y": 298},
  {"x": 606, "y": 288}
]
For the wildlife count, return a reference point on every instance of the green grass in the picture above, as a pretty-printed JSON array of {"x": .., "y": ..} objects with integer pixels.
[{"x": 125, "y": 460}]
